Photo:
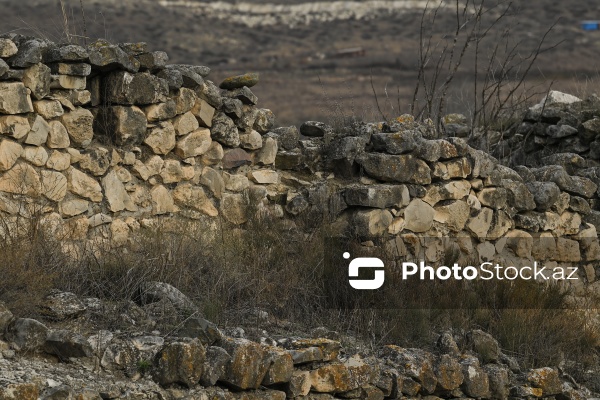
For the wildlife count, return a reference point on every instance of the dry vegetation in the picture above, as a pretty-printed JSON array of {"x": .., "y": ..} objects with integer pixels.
[
  {"x": 270, "y": 267},
  {"x": 267, "y": 267}
]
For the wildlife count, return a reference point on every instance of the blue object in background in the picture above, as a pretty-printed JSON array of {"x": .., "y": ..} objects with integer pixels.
[{"x": 590, "y": 25}]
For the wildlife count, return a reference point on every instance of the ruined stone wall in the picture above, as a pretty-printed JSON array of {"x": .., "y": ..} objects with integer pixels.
[{"x": 108, "y": 138}]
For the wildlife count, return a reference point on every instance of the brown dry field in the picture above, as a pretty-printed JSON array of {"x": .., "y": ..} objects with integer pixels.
[{"x": 295, "y": 82}]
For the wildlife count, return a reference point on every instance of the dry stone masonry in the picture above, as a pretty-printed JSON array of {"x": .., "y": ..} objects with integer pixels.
[
  {"x": 104, "y": 141},
  {"x": 40, "y": 359}
]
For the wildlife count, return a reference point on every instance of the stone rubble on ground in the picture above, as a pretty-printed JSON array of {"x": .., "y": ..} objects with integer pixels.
[{"x": 108, "y": 140}]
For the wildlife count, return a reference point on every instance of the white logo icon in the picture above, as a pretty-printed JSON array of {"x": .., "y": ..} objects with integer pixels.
[{"x": 365, "y": 262}]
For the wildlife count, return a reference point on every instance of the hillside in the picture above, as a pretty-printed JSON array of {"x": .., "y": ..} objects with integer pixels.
[{"x": 298, "y": 77}]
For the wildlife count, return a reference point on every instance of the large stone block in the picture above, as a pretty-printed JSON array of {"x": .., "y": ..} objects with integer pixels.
[
  {"x": 395, "y": 168},
  {"x": 14, "y": 98},
  {"x": 248, "y": 365},
  {"x": 124, "y": 88},
  {"x": 79, "y": 124}
]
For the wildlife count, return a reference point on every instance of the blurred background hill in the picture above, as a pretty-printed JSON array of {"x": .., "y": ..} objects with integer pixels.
[{"x": 320, "y": 59}]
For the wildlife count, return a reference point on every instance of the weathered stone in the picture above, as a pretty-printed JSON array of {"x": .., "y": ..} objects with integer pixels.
[
  {"x": 480, "y": 224},
  {"x": 84, "y": 185},
  {"x": 68, "y": 82},
  {"x": 124, "y": 125},
  {"x": 214, "y": 365},
  {"x": 454, "y": 215},
  {"x": 37, "y": 79},
  {"x": 75, "y": 69},
  {"x": 494, "y": 198},
  {"x": 48, "y": 109},
  {"x": 171, "y": 172},
  {"x": 483, "y": 164},
  {"x": 9, "y": 154},
  {"x": 195, "y": 198},
  {"x": 396, "y": 143},
  {"x": 343, "y": 377},
  {"x": 236, "y": 158},
  {"x": 14, "y": 126},
  {"x": 66, "y": 344},
  {"x": 521, "y": 392},
  {"x": 7, "y": 48},
  {"x": 287, "y": 137},
  {"x": 161, "y": 138},
  {"x": 194, "y": 144},
  {"x": 235, "y": 183},
  {"x": 20, "y": 391},
  {"x": 14, "y": 98},
  {"x": 185, "y": 123},
  {"x": 545, "y": 194},
  {"x": 395, "y": 168},
  {"x": 161, "y": 111},
  {"x": 546, "y": 379},
  {"x": 180, "y": 362},
  {"x": 567, "y": 250},
  {"x": 446, "y": 170},
  {"x": 448, "y": 373},
  {"x": 121, "y": 355},
  {"x": 58, "y": 161},
  {"x": 27, "y": 334},
  {"x": 105, "y": 56},
  {"x": 213, "y": 181},
  {"x": 299, "y": 384},
  {"x": 281, "y": 368},
  {"x": 21, "y": 179},
  {"x": 70, "y": 52},
  {"x": 380, "y": 196},
  {"x": 38, "y": 133},
  {"x": 476, "y": 381},
  {"x": 501, "y": 224},
  {"x": 573, "y": 184},
  {"x": 370, "y": 223},
  {"x": 264, "y": 176},
  {"x": 224, "y": 130},
  {"x": 234, "y": 208},
  {"x": 244, "y": 94},
  {"x": 142, "y": 88},
  {"x": 498, "y": 380},
  {"x": 418, "y": 216},
  {"x": 265, "y": 120},
  {"x": 54, "y": 185},
  {"x": 239, "y": 81},
  {"x": 72, "y": 207},
  {"x": 29, "y": 53},
  {"x": 248, "y": 365},
  {"x": 484, "y": 345},
  {"x": 413, "y": 363},
  {"x": 95, "y": 161},
  {"x": 314, "y": 129},
  {"x": 192, "y": 75},
  {"x": 251, "y": 141},
  {"x": 204, "y": 112},
  {"x": 116, "y": 195},
  {"x": 152, "y": 61},
  {"x": 79, "y": 124},
  {"x": 162, "y": 202},
  {"x": 519, "y": 195}
]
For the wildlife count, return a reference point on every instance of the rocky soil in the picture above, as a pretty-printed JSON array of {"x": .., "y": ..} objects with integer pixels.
[{"x": 58, "y": 356}]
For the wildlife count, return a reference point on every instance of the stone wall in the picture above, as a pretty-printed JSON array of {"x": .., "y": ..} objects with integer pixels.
[
  {"x": 198, "y": 361},
  {"x": 105, "y": 140}
]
